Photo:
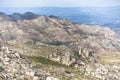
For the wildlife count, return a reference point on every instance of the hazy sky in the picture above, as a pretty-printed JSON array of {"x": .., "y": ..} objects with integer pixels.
[{"x": 58, "y": 3}]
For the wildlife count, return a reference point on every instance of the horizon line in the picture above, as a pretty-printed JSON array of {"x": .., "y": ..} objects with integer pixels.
[{"x": 55, "y": 6}]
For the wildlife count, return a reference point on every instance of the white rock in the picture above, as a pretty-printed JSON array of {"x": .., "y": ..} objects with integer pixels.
[
  {"x": 35, "y": 78},
  {"x": 7, "y": 59},
  {"x": 17, "y": 55},
  {"x": 32, "y": 74},
  {"x": 7, "y": 50},
  {"x": 6, "y": 63},
  {"x": 51, "y": 78}
]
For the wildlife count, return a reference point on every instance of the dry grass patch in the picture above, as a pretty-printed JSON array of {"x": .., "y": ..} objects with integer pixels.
[{"x": 108, "y": 57}]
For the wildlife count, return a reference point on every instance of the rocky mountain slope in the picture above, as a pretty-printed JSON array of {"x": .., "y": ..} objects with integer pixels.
[
  {"x": 31, "y": 28},
  {"x": 15, "y": 67},
  {"x": 82, "y": 52}
]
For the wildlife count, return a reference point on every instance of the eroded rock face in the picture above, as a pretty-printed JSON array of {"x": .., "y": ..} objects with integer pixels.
[
  {"x": 70, "y": 58},
  {"x": 14, "y": 67}
]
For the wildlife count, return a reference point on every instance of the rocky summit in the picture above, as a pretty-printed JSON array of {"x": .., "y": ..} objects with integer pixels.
[{"x": 39, "y": 47}]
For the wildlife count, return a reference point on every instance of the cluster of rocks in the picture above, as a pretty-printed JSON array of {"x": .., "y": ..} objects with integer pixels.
[
  {"x": 105, "y": 72},
  {"x": 14, "y": 67},
  {"x": 71, "y": 58}
]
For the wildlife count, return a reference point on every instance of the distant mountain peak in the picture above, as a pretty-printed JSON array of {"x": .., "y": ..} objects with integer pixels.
[
  {"x": 4, "y": 16},
  {"x": 26, "y": 16},
  {"x": 29, "y": 15},
  {"x": 52, "y": 16},
  {"x": 1, "y": 13}
]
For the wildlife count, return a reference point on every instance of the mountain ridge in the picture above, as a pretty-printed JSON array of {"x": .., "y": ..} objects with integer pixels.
[{"x": 42, "y": 26}]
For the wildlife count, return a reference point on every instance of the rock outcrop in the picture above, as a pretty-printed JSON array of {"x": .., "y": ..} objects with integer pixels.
[{"x": 70, "y": 58}]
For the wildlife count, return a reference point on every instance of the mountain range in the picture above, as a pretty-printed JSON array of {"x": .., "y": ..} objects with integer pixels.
[
  {"x": 52, "y": 30},
  {"x": 41, "y": 38}
]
